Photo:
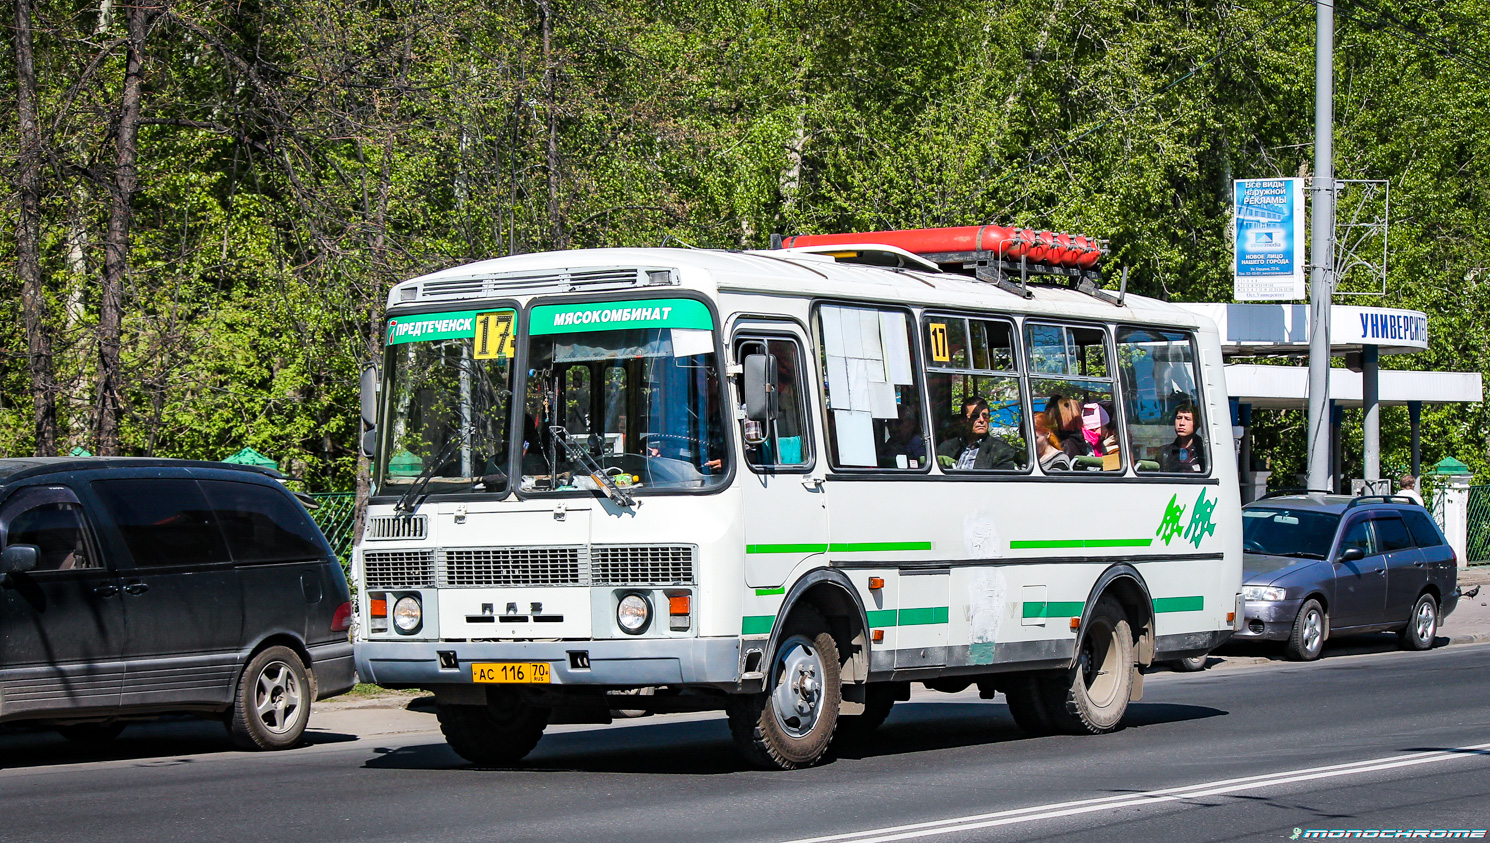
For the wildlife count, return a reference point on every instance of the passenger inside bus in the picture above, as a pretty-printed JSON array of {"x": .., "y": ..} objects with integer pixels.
[
  {"x": 1185, "y": 453},
  {"x": 976, "y": 449}
]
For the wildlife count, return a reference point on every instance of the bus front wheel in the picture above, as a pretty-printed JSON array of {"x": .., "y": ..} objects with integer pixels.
[
  {"x": 497, "y": 734},
  {"x": 1092, "y": 697},
  {"x": 791, "y": 724}
]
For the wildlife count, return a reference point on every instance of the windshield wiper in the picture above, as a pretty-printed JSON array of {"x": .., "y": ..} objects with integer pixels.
[
  {"x": 581, "y": 454},
  {"x": 415, "y": 495},
  {"x": 1301, "y": 554}
]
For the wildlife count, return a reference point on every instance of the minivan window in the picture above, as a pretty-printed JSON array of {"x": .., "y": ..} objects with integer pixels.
[
  {"x": 1424, "y": 532},
  {"x": 1392, "y": 534},
  {"x": 262, "y": 524},
  {"x": 163, "y": 521},
  {"x": 52, "y": 520}
]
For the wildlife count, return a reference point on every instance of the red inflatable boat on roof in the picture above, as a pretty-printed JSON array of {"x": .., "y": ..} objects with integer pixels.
[{"x": 948, "y": 245}]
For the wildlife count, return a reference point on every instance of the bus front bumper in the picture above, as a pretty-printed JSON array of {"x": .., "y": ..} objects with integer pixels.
[{"x": 616, "y": 663}]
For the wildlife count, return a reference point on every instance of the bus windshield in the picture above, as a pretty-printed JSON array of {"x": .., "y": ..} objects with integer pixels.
[
  {"x": 631, "y": 388},
  {"x": 449, "y": 393}
]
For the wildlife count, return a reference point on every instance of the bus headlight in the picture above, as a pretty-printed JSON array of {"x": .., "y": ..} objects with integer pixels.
[
  {"x": 408, "y": 615},
  {"x": 1263, "y": 592},
  {"x": 633, "y": 614}
]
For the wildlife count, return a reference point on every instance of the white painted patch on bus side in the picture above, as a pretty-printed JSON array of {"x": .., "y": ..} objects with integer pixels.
[
  {"x": 980, "y": 536},
  {"x": 986, "y": 590}
]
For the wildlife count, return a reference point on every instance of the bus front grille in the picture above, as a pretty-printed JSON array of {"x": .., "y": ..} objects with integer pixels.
[
  {"x": 642, "y": 564},
  {"x": 398, "y": 568},
  {"x": 487, "y": 566}
]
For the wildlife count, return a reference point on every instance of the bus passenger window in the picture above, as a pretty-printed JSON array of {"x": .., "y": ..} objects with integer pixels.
[
  {"x": 1076, "y": 428},
  {"x": 869, "y": 384},
  {"x": 781, "y": 442},
  {"x": 1166, "y": 431},
  {"x": 977, "y": 413}
]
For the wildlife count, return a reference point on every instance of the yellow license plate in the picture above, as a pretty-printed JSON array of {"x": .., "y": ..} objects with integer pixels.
[{"x": 526, "y": 673}]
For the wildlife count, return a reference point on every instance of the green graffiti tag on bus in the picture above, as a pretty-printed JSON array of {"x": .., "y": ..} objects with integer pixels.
[{"x": 1200, "y": 526}]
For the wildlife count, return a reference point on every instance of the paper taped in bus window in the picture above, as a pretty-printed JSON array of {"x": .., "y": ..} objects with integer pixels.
[
  {"x": 853, "y": 338},
  {"x": 832, "y": 331},
  {"x": 838, "y": 391},
  {"x": 858, "y": 385},
  {"x": 897, "y": 348},
  {"x": 690, "y": 341},
  {"x": 882, "y": 403},
  {"x": 855, "y": 433},
  {"x": 869, "y": 335}
]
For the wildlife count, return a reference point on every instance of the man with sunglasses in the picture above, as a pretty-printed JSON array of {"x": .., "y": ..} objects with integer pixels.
[{"x": 975, "y": 449}]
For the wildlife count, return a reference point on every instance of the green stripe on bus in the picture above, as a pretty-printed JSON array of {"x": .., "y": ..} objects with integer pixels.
[
  {"x": 881, "y": 617},
  {"x": 1179, "y": 604},
  {"x": 918, "y": 617},
  {"x": 870, "y": 547},
  {"x": 1054, "y": 610},
  {"x": 1045, "y": 544},
  {"x": 786, "y": 548},
  {"x": 767, "y": 592},
  {"x": 757, "y": 624}
]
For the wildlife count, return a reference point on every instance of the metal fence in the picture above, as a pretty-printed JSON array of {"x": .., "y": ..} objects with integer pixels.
[
  {"x": 1478, "y": 546},
  {"x": 336, "y": 515}
]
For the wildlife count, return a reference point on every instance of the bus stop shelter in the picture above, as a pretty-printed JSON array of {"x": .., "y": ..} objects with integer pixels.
[{"x": 1358, "y": 334}]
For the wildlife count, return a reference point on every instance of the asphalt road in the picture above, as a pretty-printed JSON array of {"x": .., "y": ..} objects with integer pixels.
[{"x": 1383, "y": 739}]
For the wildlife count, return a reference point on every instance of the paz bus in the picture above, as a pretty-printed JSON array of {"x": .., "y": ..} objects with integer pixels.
[{"x": 789, "y": 483}]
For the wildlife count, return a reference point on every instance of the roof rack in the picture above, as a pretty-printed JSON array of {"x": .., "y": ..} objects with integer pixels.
[
  {"x": 1357, "y": 501},
  {"x": 1281, "y": 492},
  {"x": 993, "y": 254}
]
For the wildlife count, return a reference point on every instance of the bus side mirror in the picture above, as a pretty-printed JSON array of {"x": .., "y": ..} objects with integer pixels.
[
  {"x": 369, "y": 385},
  {"x": 369, "y": 443},
  {"x": 760, "y": 387}
]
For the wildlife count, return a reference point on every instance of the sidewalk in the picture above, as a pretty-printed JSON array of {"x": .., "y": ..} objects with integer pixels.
[{"x": 1470, "y": 622}]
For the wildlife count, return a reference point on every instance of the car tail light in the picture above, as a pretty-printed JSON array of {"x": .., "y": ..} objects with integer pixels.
[{"x": 342, "y": 620}]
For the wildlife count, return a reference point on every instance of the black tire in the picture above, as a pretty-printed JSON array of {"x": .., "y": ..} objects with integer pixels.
[
  {"x": 879, "y": 698},
  {"x": 498, "y": 734},
  {"x": 1026, "y": 700},
  {"x": 791, "y": 725},
  {"x": 272, "y": 704},
  {"x": 91, "y": 734},
  {"x": 1193, "y": 664},
  {"x": 1306, "y": 641},
  {"x": 1422, "y": 625},
  {"x": 1092, "y": 697}
]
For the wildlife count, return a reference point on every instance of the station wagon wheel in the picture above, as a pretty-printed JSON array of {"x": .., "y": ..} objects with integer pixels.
[
  {"x": 1422, "y": 626},
  {"x": 792, "y": 723},
  {"x": 272, "y": 705},
  {"x": 1307, "y": 640},
  {"x": 1092, "y": 697}
]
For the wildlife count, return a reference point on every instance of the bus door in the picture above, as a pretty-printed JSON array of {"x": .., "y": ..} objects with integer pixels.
[{"x": 786, "y": 517}]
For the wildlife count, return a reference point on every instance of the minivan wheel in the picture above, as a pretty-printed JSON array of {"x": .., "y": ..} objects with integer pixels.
[
  {"x": 498, "y": 734},
  {"x": 272, "y": 706},
  {"x": 1422, "y": 626},
  {"x": 1307, "y": 640},
  {"x": 91, "y": 733}
]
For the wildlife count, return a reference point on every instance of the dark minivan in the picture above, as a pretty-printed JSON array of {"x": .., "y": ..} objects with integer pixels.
[{"x": 131, "y": 588}]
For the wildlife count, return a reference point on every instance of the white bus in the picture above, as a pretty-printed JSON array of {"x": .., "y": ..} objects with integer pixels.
[{"x": 787, "y": 484}]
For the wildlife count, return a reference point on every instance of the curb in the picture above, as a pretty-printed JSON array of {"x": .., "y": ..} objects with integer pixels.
[{"x": 1470, "y": 638}]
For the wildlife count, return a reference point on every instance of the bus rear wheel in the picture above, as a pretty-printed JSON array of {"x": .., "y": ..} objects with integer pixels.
[
  {"x": 1025, "y": 696},
  {"x": 497, "y": 734},
  {"x": 1092, "y": 697},
  {"x": 791, "y": 724}
]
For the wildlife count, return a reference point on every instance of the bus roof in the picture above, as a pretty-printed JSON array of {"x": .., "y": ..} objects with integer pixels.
[{"x": 775, "y": 272}]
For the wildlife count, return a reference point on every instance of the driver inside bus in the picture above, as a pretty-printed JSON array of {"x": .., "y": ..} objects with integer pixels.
[{"x": 976, "y": 449}]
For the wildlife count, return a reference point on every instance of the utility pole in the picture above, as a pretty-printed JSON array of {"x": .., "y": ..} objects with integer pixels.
[{"x": 1322, "y": 246}]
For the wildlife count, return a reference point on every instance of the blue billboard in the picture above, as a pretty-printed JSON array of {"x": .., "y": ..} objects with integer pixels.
[{"x": 1268, "y": 258}]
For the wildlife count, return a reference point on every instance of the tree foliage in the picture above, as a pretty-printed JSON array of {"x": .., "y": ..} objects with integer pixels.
[{"x": 298, "y": 157}]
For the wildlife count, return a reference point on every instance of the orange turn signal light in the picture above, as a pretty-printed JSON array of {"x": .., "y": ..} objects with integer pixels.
[
  {"x": 878, "y": 636},
  {"x": 678, "y": 605},
  {"x": 1231, "y": 617},
  {"x": 1075, "y": 624},
  {"x": 876, "y": 583},
  {"x": 378, "y": 607}
]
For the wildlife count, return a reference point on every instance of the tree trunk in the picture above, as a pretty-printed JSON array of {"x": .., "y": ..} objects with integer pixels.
[
  {"x": 28, "y": 244},
  {"x": 555, "y": 213},
  {"x": 116, "y": 241}
]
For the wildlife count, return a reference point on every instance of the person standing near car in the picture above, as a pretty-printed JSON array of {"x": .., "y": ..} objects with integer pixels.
[{"x": 1409, "y": 488}]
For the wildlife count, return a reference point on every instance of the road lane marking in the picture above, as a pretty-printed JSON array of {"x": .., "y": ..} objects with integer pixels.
[{"x": 1153, "y": 797}]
